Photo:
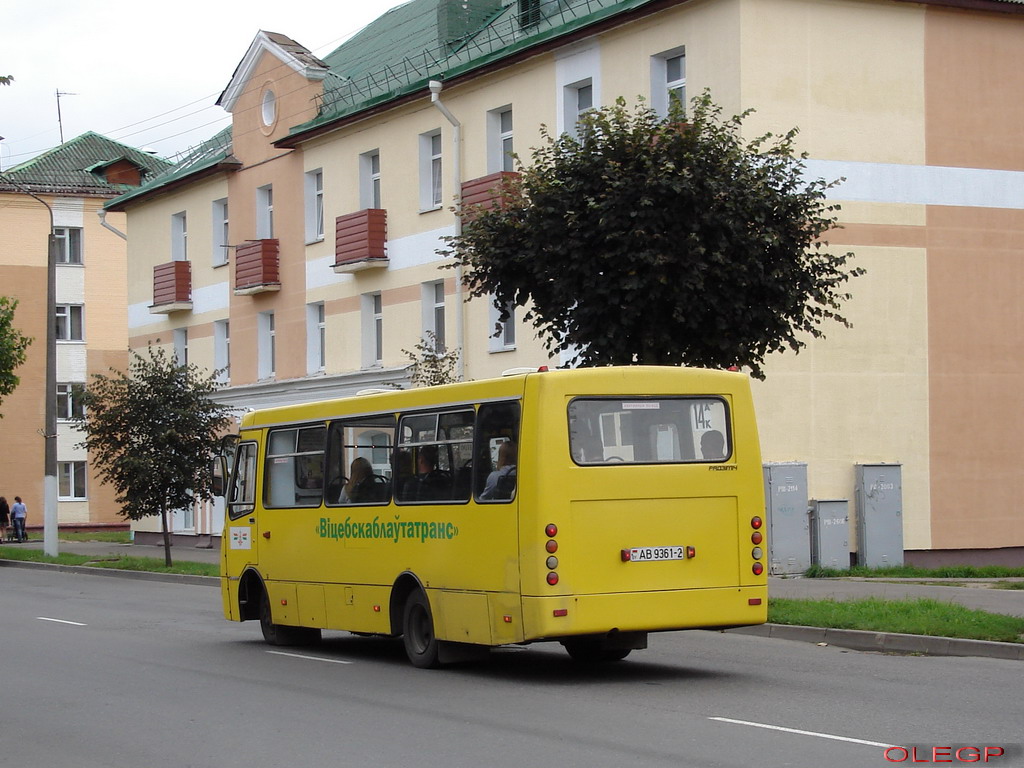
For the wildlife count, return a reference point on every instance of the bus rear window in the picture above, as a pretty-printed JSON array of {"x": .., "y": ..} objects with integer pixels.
[{"x": 670, "y": 430}]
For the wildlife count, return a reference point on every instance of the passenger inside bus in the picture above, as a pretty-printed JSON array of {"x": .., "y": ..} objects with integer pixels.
[
  {"x": 712, "y": 445},
  {"x": 360, "y": 487},
  {"x": 501, "y": 483}
]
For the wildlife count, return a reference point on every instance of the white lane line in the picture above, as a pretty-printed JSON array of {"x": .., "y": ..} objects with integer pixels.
[
  {"x": 310, "y": 658},
  {"x": 803, "y": 733},
  {"x": 62, "y": 621}
]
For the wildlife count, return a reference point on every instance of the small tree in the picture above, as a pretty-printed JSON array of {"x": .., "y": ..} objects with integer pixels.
[
  {"x": 151, "y": 433},
  {"x": 12, "y": 348},
  {"x": 660, "y": 240},
  {"x": 429, "y": 367}
]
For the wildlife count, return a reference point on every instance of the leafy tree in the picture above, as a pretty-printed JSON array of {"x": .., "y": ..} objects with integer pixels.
[
  {"x": 660, "y": 240},
  {"x": 6, "y": 79},
  {"x": 12, "y": 347},
  {"x": 428, "y": 366},
  {"x": 151, "y": 434}
]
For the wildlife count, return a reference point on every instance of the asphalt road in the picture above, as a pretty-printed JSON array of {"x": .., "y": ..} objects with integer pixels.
[{"x": 126, "y": 673}]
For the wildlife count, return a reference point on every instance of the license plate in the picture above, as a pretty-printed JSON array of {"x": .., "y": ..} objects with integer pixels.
[{"x": 648, "y": 554}]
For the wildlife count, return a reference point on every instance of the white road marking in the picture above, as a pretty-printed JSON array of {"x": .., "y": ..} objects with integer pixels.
[
  {"x": 310, "y": 658},
  {"x": 803, "y": 733},
  {"x": 62, "y": 621}
]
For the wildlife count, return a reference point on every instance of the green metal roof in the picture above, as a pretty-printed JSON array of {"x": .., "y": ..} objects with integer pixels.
[
  {"x": 76, "y": 168},
  {"x": 211, "y": 156},
  {"x": 426, "y": 39}
]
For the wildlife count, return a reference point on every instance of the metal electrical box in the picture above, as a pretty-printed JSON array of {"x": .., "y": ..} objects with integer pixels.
[
  {"x": 879, "y": 495},
  {"x": 785, "y": 491},
  {"x": 830, "y": 532}
]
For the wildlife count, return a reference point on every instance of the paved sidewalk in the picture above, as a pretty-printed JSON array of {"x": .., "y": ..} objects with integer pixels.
[{"x": 978, "y": 594}]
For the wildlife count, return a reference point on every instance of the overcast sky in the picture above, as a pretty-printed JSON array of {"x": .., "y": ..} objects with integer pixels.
[{"x": 145, "y": 74}]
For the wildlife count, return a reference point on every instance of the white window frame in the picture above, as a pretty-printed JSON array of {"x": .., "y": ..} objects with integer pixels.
[
  {"x": 69, "y": 319},
  {"x": 431, "y": 171},
  {"x": 181, "y": 346},
  {"x": 369, "y": 180},
  {"x": 222, "y": 350},
  {"x": 314, "y": 184},
  {"x": 660, "y": 84},
  {"x": 372, "y": 311},
  {"x": 505, "y": 341},
  {"x": 220, "y": 231},
  {"x": 67, "y": 474},
  {"x": 499, "y": 140},
  {"x": 316, "y": 338},
  {"x": 69, "y": 241},
  {"x": 265, "y": 212},
  {"x": 266, "y": 350},
  {"x": 576, "y": 68},
  {"x": 433, "y": 313},
  {"x": 69, "y": 394},
  {"x": 179, "y": 236}
]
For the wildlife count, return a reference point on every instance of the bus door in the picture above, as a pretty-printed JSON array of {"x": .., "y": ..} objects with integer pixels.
[{"x": 238, "y": 541}]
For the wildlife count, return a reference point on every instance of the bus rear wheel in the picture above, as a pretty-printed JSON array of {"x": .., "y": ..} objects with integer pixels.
[
  {"x": 280, "y": 634},
  {"x": 421, "y": 645},
  {"x": 590, "y": 651}
]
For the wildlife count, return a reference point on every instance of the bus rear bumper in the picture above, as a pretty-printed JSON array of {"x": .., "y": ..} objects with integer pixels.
[{"x": 569, "y": 615}]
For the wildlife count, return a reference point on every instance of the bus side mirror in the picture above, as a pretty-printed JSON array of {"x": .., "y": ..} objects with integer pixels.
[{"x": 219, "y": 474}]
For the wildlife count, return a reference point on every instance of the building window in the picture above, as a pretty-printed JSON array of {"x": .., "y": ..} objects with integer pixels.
[
  {"x": 369, "y": 180},
  {"x": 179, "y": 237},
  {"x": 315, "y": 206},
  {"x": 267, "y": 345},
  {"x": 373, "y": 329},
  {"x": 268, "y": 108},
  {"x": 265, "y": 212},
  {"x": 69, "y": 322},
  {"x": 316, "y": 338},
  {"x": 181, "y": 346},
  {"x": 71, "y": 480},
  {"x": 222, "y": 350},
  {"x": 503, "y": 333},
  {"x": 668, "y": 80},
  {"x": 430, "y": 171},
  {"x": 220, "y": 232},
  {"x": 69, "y": 401},
  {"x": 69, "y": 245},
  {"x": 499, "y": 140},
  {"x": 579, "y": 99},
  {"x": 433, "y": 313}
]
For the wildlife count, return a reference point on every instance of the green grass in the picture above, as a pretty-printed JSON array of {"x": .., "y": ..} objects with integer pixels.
[
  {"x": 910, "y": 572},
  {"x": 914, "y": 617},
  {"x": 118, "y": 562},
  {"x": 114, "y": 537}
]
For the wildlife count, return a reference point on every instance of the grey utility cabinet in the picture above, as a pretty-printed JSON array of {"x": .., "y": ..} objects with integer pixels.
[
  {"x": 879, "y": 495},
  {"x": 785, "y": 491},
  {"x": 830, "y": 532}
]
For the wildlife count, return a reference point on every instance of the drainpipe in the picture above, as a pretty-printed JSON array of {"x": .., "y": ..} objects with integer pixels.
[
  {"x": 103, "y": 223},
  {"x": 460, "y": 309}
]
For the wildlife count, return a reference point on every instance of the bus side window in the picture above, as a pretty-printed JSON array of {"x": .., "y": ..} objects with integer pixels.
[
  {"x": 359, "y": 461},
  {"x": 496, "y": 452},
  {"x": 294, "y": 475}
]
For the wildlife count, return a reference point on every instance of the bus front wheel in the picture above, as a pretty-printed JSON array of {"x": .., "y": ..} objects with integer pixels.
[
  {"x": 421, "y": 645},
  {"x": 280, "y": 634}
]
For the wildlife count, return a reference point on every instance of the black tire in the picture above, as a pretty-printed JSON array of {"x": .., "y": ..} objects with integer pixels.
[
  {"x": 587, "y": 651},
  {"x": 421, "y": 645},
  {"x": 280, "y": 634}
]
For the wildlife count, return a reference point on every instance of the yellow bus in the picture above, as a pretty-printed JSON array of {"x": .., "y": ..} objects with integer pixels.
[{"x": 588, "y": 507}]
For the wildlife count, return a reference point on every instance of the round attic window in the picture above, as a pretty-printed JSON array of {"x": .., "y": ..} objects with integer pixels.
[{"x": 269, "y": 107}]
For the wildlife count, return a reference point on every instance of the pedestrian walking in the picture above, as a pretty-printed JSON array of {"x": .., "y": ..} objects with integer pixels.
[
  {"x": 5, "y": 519},
  {"x": 18, "y": 513}
]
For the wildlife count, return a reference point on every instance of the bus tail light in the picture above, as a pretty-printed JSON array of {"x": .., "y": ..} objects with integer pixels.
[
  {"x": 550, "y": 530},
  {"x": 756, "y": 537},
  {"x": 758, "y": 569},
  {"x": 755, "y": 522},
  {"x": 552, "y": 578},
  {"x": 551, "y": 546}
]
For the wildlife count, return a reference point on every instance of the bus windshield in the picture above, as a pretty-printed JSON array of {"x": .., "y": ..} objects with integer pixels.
[{"x": 648, "y": 430}]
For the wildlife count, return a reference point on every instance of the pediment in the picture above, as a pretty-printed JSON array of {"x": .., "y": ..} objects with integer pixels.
[{"x": 290, "y": 54}]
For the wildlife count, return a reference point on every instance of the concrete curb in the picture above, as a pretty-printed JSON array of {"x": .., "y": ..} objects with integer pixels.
[
  {"x": 888, "y": 642},
  {"x": 172, "y": 578}
]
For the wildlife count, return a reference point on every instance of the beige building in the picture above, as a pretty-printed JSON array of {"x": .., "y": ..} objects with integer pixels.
[
  {"x": 300, "y": 246},
  {"x": 65, "y": 188}
]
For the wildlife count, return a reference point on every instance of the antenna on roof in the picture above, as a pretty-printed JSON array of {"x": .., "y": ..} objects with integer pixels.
[{"x": 60, "y": 124}]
